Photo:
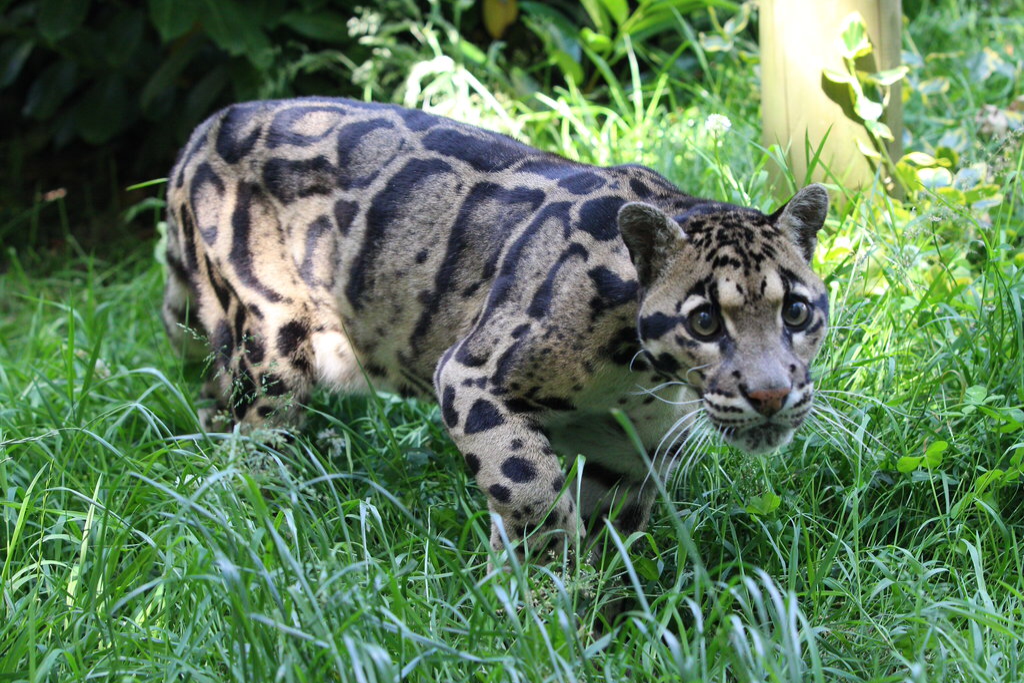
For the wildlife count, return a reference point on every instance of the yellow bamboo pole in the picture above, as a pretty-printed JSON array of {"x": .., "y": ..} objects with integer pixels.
[{"x": 799, "y": 40}]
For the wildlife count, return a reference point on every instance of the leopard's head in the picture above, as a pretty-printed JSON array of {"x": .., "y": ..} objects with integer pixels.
[{"x": 731, "y": 307}]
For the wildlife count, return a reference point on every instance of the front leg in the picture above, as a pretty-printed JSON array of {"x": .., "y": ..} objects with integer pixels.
[{"x": 507, "y": 453}]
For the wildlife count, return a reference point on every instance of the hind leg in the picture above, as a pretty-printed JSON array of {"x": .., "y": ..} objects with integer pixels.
[
  {"x": 273, "y": 328},
  {"x": 269, "y": 360},
  {"x": 260, "y": 363},
  {"x": 264, "y": 368}
]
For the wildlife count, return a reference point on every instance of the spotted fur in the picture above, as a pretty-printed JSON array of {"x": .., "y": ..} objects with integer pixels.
[{"x": 330, "y": 242}]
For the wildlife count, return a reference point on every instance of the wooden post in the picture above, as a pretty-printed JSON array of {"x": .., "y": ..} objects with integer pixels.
[{"x": 799, "y": 40}]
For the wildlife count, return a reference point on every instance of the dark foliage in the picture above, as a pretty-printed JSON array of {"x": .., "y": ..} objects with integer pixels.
[{"x": 97, "y": 95}]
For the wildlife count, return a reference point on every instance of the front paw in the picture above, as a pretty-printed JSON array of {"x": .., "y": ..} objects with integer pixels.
[{"x": 539, "y": 527}]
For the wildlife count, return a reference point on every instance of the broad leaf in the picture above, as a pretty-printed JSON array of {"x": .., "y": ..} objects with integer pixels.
[
  {"x": 867, "y": 109},
  {"x": 933, "y": 86},
  {"x": 763, "y": 505},
  {"x": 325, "y": 26},
  {"x": 839, "y": 76},
  {"x": 48, "y": 92},
  {"x": 933, "y": 454},
  {"x": 60, "y": 18},
  {"x": 889, "y": 76},
  {"x": 598, "y": 42},
  {"x": 868, "y": 151},
  {"x": 984, "y": 64},
  {"x": 172, "y": 18},
  {"x": 498, "y": 15},
  {"x": 13, "y": 55},
  {"x": 617, "y": 9},
  {"x": 236, "y": 31},
  {"x": 597, "y": 15},
  {"x": 855, "y": 37},
  {"x": 879, "y": 130},
  {"x": 102, "y": 111}
]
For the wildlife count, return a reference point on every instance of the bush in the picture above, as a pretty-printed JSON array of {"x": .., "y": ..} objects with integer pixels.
[{"x": 100, "y": 95}]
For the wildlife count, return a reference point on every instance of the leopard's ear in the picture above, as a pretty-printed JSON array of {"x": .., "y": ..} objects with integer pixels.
[
  {"x": 802, "y": 217},
  {"x": 651, "y": 236}
]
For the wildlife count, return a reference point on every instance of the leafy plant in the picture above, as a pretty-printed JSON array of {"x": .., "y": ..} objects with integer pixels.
[
  {"x": 607, "y": 32},
  {"x": 115, "y": 88},
  {"x": 868, "y": 92}
]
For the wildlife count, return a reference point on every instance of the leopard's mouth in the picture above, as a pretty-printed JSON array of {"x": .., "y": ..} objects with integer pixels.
[
  {"x": 757, "y": 434},
  {"x": 762, "y": 438},
  {"x": 753, "y": 431}
]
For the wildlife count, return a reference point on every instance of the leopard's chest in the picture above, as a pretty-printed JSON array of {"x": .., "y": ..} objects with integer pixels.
[{"x": 620, "y": 408}]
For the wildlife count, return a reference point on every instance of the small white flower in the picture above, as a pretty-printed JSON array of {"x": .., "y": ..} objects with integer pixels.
[{"x": 717, "y": 124}]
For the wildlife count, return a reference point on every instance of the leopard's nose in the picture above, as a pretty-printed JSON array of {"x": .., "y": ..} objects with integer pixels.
[{"x": 768, "y": 401}]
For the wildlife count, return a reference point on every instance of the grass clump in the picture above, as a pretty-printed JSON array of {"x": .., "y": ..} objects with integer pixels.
[{"x": 885, "y": 544}]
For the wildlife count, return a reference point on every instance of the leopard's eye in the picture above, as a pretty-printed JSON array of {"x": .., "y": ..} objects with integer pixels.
[
  {"x": 704, "y": 322},
  {"x": 796, "y": 313}
]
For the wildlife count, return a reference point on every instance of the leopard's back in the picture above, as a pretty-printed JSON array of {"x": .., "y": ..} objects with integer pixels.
[{"x": 393, "y": 222}]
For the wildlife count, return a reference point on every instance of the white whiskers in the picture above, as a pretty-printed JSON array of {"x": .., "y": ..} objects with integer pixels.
[{"x": 687, "y": 438}]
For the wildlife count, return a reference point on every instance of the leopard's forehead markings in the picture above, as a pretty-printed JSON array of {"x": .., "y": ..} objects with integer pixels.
[
  {"x": 742, "y": 247},
  {"x": 734, "y": 294},
  {"x": 744, "y": 239}
]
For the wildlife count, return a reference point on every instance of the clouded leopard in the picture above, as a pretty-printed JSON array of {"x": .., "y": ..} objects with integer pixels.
[{"x": 347, "y": 244}]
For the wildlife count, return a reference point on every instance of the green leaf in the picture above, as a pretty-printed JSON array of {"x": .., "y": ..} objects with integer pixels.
[
  {"x": 48, "y": 92},
  {"x": 129, "y": 27},
  {"x": 713, "y": 42},
  {"x": 325, "y": 26},
  {"x": 13, "y": 56},
  {"x": 236, "y": 31},
  {"x": 986, "y": 203},
  {"x": 879, "y": 130},
  {"x": 908, "y": 463},
  {"x": 164, "y": 78},
  {"x": 598, "y": 42},
  {"x": 102, "y": 111},
  {"x": 597, "y": 15},
  {"x": 933, "y": 86},
  {"x": 867, "y": 150},
  {"x": 935, "y": 178},
  {"x": 987, "y": 479},
  {"x": 571, "y": 68},
  {"x": 203, "y": 94},
  {"x": 976, "y": 394},
  {"x": 617, "y": 9},
  {"x": 472, "y": 53},
  {"x": 984, "y": 64},
  {"x": 951, "y": 145},
  {"x": 554, "y": 28},
  {"x": 1014, "y": 419},
  {"x": 173, "y": 18},
  {"x": 855, "y": 37},
  {"x": 868, "y": 109},
  {"x": 919, "y": 159},
  {"x": 647, "y": 568},
  {"x": 737, "y": 22},
  {"x": 839, "y": 76},
  {"x": 933, "y": 454},
  {"x": 764, "y": 505},
  {"x": 60, "y": 18},
  {"x": 889, "y": 76}
]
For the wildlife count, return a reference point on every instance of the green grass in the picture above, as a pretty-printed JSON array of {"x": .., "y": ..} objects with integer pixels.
[{"x": 885, "y": 544}]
